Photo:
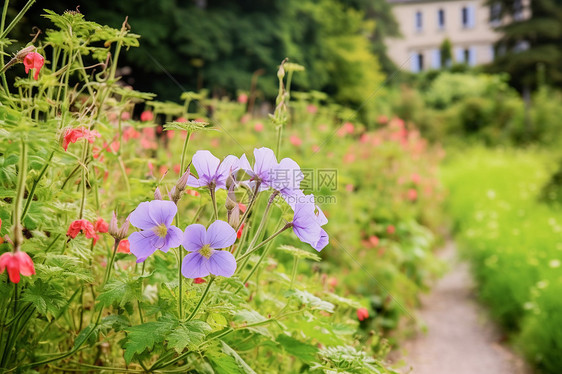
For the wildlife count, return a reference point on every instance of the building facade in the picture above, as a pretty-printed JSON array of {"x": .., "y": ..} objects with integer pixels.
[{"x": 426, "y": 24}]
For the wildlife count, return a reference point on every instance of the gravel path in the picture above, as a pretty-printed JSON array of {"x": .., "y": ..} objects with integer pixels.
[{"x": 460, "y": 338}]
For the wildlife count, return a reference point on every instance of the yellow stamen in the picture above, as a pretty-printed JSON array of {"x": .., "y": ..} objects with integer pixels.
[
  {"x": 206, "y": 251},
  {"x": 161, "y": 230}
]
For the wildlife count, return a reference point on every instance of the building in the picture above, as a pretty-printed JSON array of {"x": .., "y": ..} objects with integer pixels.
[{"x": 425, "y": 24}]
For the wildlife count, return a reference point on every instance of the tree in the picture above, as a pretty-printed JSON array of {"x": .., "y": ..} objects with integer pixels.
[{"x": 528, "y": 43}]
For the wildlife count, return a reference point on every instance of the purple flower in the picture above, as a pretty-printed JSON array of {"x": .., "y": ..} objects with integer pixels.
[
  {"x": 211, "y": 171},
  {"x": 154, "y": 218},
  {"x": 307, "y": 223},
  {"x": 284, "y": 176},
  {"x": 205, "y": 257}
]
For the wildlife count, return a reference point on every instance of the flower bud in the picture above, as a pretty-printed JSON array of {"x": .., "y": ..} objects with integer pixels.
[
  {"x": 234, "y": 217},
  {"x": 230, "y": 203},
  {"x": 115, "y": 231},
  {"x": 157, "y": 194},
  {"x": 182, "y": 182}
]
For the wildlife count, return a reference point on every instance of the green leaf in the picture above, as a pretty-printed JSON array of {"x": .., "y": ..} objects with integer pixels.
[
  {"x": 47, "y": 297},
  {"x": 305, "y": 352},
  {"x": 311, "y": 301},
  {"x": 216, "y": 321},
  {"x": 299, "y": 253},
  {"x": 142, "y": 337},
  {"x": 121, "y": 292},
  {"x": 90, "y": 334},
  {"x": 239, "y": 360},
  {"x": 191, "y": 335},
  {"x": 223, "y": 364}
]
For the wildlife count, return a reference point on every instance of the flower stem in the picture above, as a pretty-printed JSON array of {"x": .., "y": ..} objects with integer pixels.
[
  {"x": 184, "y": 152},
  {"x": 253, "y": 249},
  {"x": 18, "y": 236},
  {"x": 214, "y": 199},
  {"x": 35, "y": 183},
  {"x": 201, "y": 299},
  {"x": 294, "y": 273}
]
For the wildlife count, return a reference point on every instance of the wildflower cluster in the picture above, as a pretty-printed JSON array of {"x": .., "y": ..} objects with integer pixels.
[{"x": 206, "y": 256}]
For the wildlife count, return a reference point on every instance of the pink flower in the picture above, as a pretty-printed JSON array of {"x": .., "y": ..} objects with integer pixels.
[
  {"x": 147, "y": 116},
  {"x": 130, "y": 133},
  {"x": 295, "y": 140},
  {"x": 348, "y": 127},
  {"x": 311, "y": 108},
  {"x": 239, "y": 232},
  {"x": 382, "y": 119},
  {"x": 349, "y": 187},
  {"x": 124, "y": 246},
  {"x": 181, "y": 119},
  {"x": 35, "y": 61},
  {"x": 258, "y": 127},
  {"x": 416, "y": 178},
  {"x": 84, "y": 226},
  {"x": 17, "y": 263},
  {"x": 73, "y": 135},
  {"x": 315, "y": 148},
  {"x": 245, "y": 118},
  {"x": 412, "y": 194},
  {"x": 390, "y": 229},
  {"x": 242, "y": 98},
  {"x": 101, "y": 226},
  {"x": 374, "y": 240},
  {"x": 125, "y": 116},
  {"x": 362, "y": 314}
]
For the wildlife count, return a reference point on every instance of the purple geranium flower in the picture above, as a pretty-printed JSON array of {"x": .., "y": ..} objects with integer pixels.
[
  {"x": 211, "y": 171},
  {"x": 205, "y": 257},
  {"x": 154, "y": 218},
  {"x": 284, "y": 176},
  {"x": 307, "y": 223}
]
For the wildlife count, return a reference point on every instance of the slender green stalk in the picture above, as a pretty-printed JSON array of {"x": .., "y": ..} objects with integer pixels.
[
  {"x": 201, "y": 299},
  {"x": 254, "y": 249},
  {"x": 35, "y": 184},
  {"x": 294, "y": 272},
  {"x": 214, "y": 199},
  {"x": 184, "y": 152},
  {"x": 18, "y": 236},
  {"x": 16, "y": 19}
]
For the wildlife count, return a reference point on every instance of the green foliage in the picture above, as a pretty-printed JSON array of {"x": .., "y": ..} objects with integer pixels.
[{"x": 513, "y": 242}]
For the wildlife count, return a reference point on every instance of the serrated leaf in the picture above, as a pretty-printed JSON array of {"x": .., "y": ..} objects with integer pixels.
[
  {"x": 120, "y": 292},
  {"x": 223, "y": 363},
  {"x": 47, "y": 297},
  {"x": 144, "y": 336},
  {"x": 305, "y": 352},
  {"x": 191, "y": 335}
]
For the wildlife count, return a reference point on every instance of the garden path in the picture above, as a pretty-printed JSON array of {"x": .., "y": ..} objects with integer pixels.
[{"x": 460, "y": 337}]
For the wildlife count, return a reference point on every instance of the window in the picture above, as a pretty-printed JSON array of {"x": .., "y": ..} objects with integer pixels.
[
  {"x": 466, "y": 55},
  {"x": 441, "y": 19},
  {"x": 416, "y": 61},
  {"x": 436, "y": 59},
  {"x": 419, "y": 24},
  {"x": 495, "y": 13},
  {"x": 467, "y": 16}
]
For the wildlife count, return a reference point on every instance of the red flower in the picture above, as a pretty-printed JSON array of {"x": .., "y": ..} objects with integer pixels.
[
  {"x": 181, "y": 119},
  {"x": 85, "y": 226},
  {"x": 243, "y": 98},
  {"x": 199, "y": 280},
  {"x": 374, "y": 240},
  {"x": 17, "y": 263},
  {"x": 295, "y": 140},
  {"x": 146, "y": 116},
  {"x": 35, "y": 61},
  {"x": 242, "y": 207},
  {"x": 391, "y": 229},
  {"x": 362, "y": 314},
  {"x": 239, "y": 232},
  {"x": 412, "y": 194},
  {"x": 124, "y": 246},
  {"x": 192, "y": 193},
  {"x": 101, "y": 226},
  {"x": 73, "y": 135},
  {"x": 258, "y": 127}
]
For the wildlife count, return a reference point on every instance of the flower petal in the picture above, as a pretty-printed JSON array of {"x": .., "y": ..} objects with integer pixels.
[
  {"x": 162, "y": 211},
  {"x": 194, "y": 237},
  {"x": 265, "y": 163},
  {"x": 14, "y": 270},
  {"x": 222, "y": 263},
  {"x": 174, "y": 237},
  {"x": 194, "y": 266},
  {"x": 220, "y": 235},
  {"x": 323, "y": 241},
  {"x": 206, "y": 164},
  {"x": 141, "y": 244},
  {"x": 140, "y": 217},
  {"x": 25, "y": 263}
]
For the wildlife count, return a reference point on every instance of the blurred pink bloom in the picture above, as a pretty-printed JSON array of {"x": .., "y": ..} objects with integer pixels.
[
  {"x": 73, "y": 135},
  {"x": 125, "y": 116},
  {"x": 315, "y": 148},
  {"x": 390, "y": 229},
  {"x": 215, "y": 143},
  {"x": 243, "y": 98},
  {"x": 258, "y": 127},
  {"x": 245, "y": 118},
  {"x": 181, "y": 119},
  {"x": 382, "y": 119},
  {"x": 311, "y": 108},
  {"x": 349, "y": 187},
  {"x": 374, "y": 240},
  {"x": 147, "y": 116},
  {"x": 412, "y": 194},
  {"x": 295, "y": 140},
  {"x": 362, "y": 314},
  {"x": 416, "y": 178}
]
